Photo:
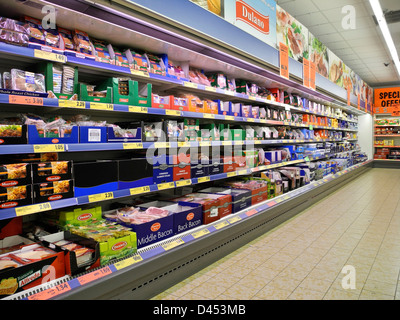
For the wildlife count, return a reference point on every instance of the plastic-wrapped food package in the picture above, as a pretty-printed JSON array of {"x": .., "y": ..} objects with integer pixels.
[
  {"x": 68, "y": 80},
  {"x": 13, "y": 32},
  {"x": 82, "y": 42},
  {"x": 27, "y": 81}
]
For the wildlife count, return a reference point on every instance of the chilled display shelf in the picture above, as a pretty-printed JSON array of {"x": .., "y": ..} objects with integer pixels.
[
  {"x": 57, "y": 288},
  {"x": 116, "y": 194},
  {"x": 382, "y": 146},
  {"x": 386, "y": 135}
]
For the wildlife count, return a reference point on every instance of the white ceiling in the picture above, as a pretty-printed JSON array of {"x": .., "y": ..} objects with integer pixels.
[{"x": 363, "y": 49}]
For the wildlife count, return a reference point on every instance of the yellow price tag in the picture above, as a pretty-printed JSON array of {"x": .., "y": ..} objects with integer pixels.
[
  {"x": 239, "y": 143},
  {"x": 200, "y": 233},
  {"x": 252, "y": 98},
  {"x": 101, "y": 106},
  {"x": 231, "y": 174},
  {"x": 229, "y": 118},
  {"x": 234, "y": 219},
  {"x": 139, "y": 190},
  {"x": 182, "y": 183},
  {"x": 203, "y": 179},
  {"x": 49, "y": 56},
  {"x": 172, "y": 244},
  {"x": 221, "y": 224},
  {"x": 250, "y": 120},
  {"x": 71, "y": 104},
  {"x": 163, "y": 186},
  {"x": 139, "y": 73},
  {"x": 228, "y": 92},
  {"x": 242, "y": 172},
  {"x": 211, "y": 89},
  {"x": 133, "y": 145},
  {"x": 101, "y": 196},
  {"x": 22, "y": 211},
  {"x": 208, "y": 116},
  {"x": 170, "y": 112},
  {"x": 227, "y": 143},
  {"x": 162, "y": 144},
  {"x": 128, "y": 262},
  {"x": 137, "y": 109},
  {"x": 39, "y": 148},
  {"x": 184, "y": 144},
  {"x": 205, "y": 143},
  {"x": 190, "y": 84}
]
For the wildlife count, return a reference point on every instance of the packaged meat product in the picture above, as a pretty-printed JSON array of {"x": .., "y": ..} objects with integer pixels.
[
  {"x": 27, "y": 81},
  {"x": 66, "y": 36},
  {"x": 82, "y": 42},
  {"x": 61, "y": 243},
  {"x": 8, "y": 262},
  {"x": 7, "y": 80},
  {"x": 36, "y": 254},
  {"x": 35, "y": 30},
  {"x": 101, "y": 51}
]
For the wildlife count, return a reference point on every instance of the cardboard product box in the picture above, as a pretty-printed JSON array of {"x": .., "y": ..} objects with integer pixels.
[
  {"x": 241, "y": 198},
  {"x": 74, "y": 217},
  {"x": 186, "y": 215},
  {"x": 68, "y": 136},
  {"x": 246, "y": 111},
  {"x": 161, "y": 102},
  {"x": 274, "y": 156},
  {"x": 229, "y": 163},
  {"x": 163, "y": 168},
  {"x": 210, "y": 107},
  {"x": 195, "y": 104},
  {"x": 92, "y": 134},
  {"x": 238, "y": 134},
  {"x": 51, "y": 171},
  {"x": 15, "y": 174},
  {"x": 28, "y": 267},
  {"x": 15, "y": 196},
  {"x": 179, "y": 103},
  {"x": 182, "y": 167},
  {"x": 142, "y": 94},
  {"x": 13, "y": 134},
  {"x": 127, "y": 132},
  {"x": 259, "y": 189},
  {"x": 51, "y": 191},
  {"x": 148, "y": 230},
  {"x": 88, "y": 180},
  {"x": 10, "y": 227},
  {"x": 216, "y": 166},
  {"x": 132, "y": 173},
  {"x": 85, "y": 95},
  {"x": 115, "y": 241},
  {"x": 210, "y": 204},
  {"x": 236, "y": 110},
  {"x": 80, "y": 254},
  {"x": 122, "y": 90},
  {"x": 154, "y": 131},
  {"x": 224, "y": 107}
]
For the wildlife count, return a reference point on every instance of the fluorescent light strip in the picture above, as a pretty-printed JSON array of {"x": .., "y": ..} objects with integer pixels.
[{"x": 380, "y": 17}]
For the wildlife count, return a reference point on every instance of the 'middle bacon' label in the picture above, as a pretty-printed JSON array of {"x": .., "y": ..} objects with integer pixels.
[{"x": 247, "y": 14}]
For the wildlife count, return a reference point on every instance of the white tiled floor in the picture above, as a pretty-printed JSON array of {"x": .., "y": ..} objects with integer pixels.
[{"x": 358, "y": 226}]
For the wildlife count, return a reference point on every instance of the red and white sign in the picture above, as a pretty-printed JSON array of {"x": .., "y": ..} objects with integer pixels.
[{"x": 249, "y": 15}]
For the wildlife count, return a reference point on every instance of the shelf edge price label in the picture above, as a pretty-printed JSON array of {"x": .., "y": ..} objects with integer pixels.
[
  {"x": 101, "y": 106},
  {"x": 128, "y": 262},
  {"x": 139, "y": 73},
  {"x": 49, "y": 56},
  {"x": 242, "y": 172},
  {"x": 172, "y": 244},
  {"x": 170, "y": 112},
  {"x": 203, "y": 179},
  {"x": 284, "y": 60},
  {"x": 208, "y": 116},
  {"x": 182, "y": 183},
  {"x": 167, "y": 185},
  {"x": 200, "y": 233},
  {"x": 101, "y": 196},
  {"x": 51, "y": 292},
  {"x": 94, "y": 275},
  {"x": 139, "y": 190},
  {"x": 221, "y": 225},
  {"x": 33, "y": 101},
  {"x": 231, "y": 174},
  {"x": 234, "y": 219},
  {"x": 71, "y": 104},
  {"x": 190, "y": 85},
  {"x": 41, "y": 148},
  {"x": 211, "y": 89},
  {"x": 132, "y": 145},
  {"x": 137, "y": 109},
  {"x": 40, "y": 207}
]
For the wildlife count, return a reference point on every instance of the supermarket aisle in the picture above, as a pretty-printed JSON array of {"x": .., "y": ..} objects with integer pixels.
[{"x": 358, "y": 225}]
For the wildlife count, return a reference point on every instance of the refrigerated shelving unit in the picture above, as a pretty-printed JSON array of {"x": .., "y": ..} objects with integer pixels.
[{"x": 158, "y": 266}]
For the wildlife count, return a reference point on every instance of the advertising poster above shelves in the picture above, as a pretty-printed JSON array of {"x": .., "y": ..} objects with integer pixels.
[
  {"x": 319, "y": 55},
  {"x": 292, "y": 33},
  {"x": 257, "y": 18}
]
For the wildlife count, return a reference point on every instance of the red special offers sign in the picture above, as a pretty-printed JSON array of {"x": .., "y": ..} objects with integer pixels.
[{"x": 249, "y": 15}]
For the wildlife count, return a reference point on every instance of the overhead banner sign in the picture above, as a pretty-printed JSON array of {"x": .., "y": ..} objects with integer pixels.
[
  {"x": 257, "y": 18},
  {"x": 387, "y": 100}
]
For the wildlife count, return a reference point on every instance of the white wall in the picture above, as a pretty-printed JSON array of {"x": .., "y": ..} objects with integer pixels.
[{"x": 366, "y": 134}]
